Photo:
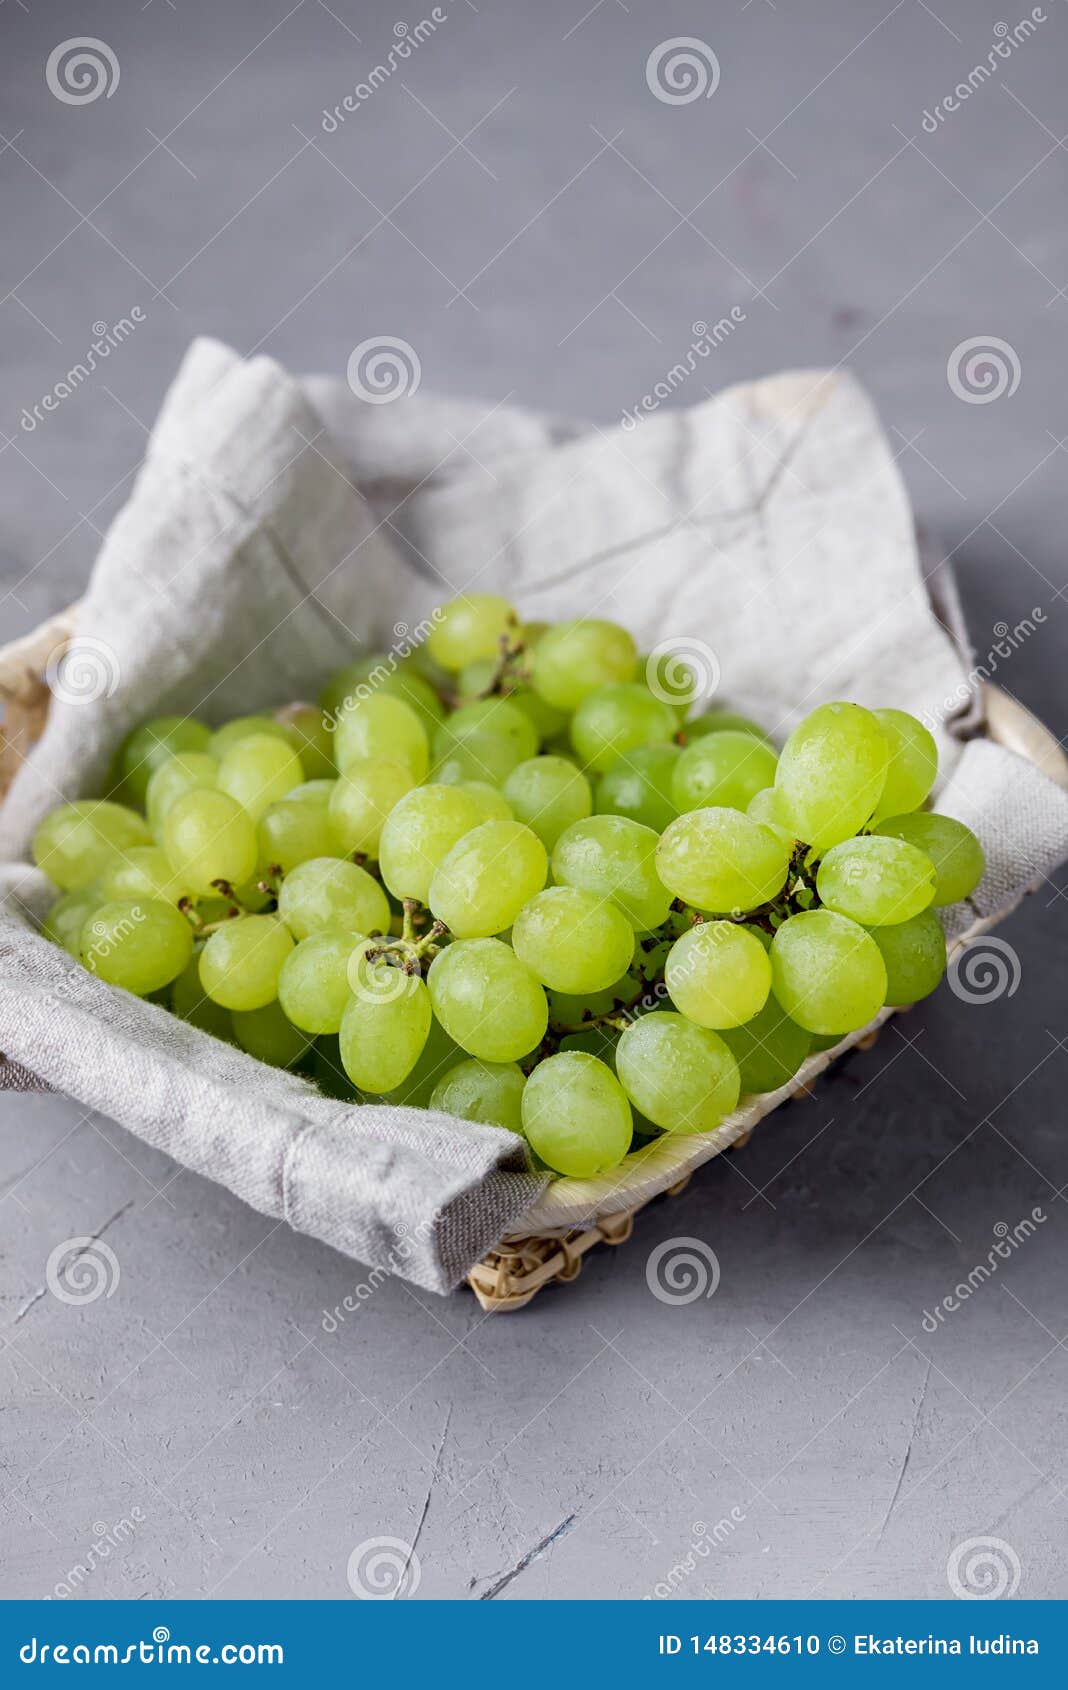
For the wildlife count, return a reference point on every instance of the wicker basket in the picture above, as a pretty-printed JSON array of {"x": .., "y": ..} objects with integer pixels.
[{"x": 573, "y": 1215}]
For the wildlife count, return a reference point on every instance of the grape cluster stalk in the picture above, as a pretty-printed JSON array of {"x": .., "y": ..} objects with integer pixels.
[{"x": 515, "y": 878}]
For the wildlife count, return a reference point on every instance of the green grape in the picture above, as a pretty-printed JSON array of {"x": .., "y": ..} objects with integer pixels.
[
  {"x": 437, "y": 1055},
  {"x": 208, "y": 837},
  {"x": 720, "y": 721},
  {"x": 75, "y": 843},
  {"x": 718, "y": 975},
  {"x": 545, "y": 719},
  {"x": 292, "y": 831},
  {"x": 876, "y": 881},
  {"x": 953, "y": 849},
  {"x": 384, "y": 1029},
  {"x": 481, "y": 885},
  {"x": 720, "y": 861},
  {"x": 383, "y": 727},
  {"x": 827, "y": 972},
  {"x": 189, "y": 771},
  {"x": 573, "y": 941},
  {"x": 463, "y": 754},
  {"x": 267, "y": 1034},
  {"x": 548, "y": 794},
  {"x": 576, "y": 1115},
  {"x": 614, "y": 857},
  {"x": 492, "y": 806},
  {"x": 143, "y": 872},
  {"x": 489, "y": 1092},
  {"x": 913, "y": 764},
  {"x": 258, "y": 771},
  {"x": 312, "y": 791},
  {"x": 486, "y": 999},
  {"x": 640, "y": 787},
  {"x": 324, "y": 893},
  {"x": 498, "y": 716},
  {"x": 723, "y": 770},
  {"x": 573, "y": 659},
  {"x": 477, "y": 679},
  {"x": 769, "y": 1049},
  {"x": 140, "y": 944},
  {"x": 313, "y": 987},
  {"x": 362, "y": 799},
  {"x": 315, "y": 740},
  {"x": 684, "y": 1078},
  {"x": 831, "y": 773},
  {"x": 191, "y": 1003},
  {"x": 241, "y": 962},
  {"x": 914, "y": 953},
  {"x": 64, "y": 922},
  {"x": 225, "y": 738},
  {"x": 382, "y": 673},
  {"x": 418, "y": 835},
  {"x": 615, "y": 720},
  {"x": 470, "y": 627},
  {"x": 154, "y": 743},
  {"x": 767, "y": 807}
]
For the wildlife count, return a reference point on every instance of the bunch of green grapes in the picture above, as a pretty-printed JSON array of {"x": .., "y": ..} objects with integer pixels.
[{"x": 505, "y": 878}]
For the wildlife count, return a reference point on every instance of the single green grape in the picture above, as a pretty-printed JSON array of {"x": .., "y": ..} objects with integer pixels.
[
  {"x": 267, "y": 1033},
  {"x": 683, "y": 1077},
  {"x": 548, "y": 793},
  {"x": 190, "y": 1001},
  {"x": 207, "y": 836},
  {"x": 418, "y": 835},
  {"x": 769, "y": 1049},
  {"x": 957, "y": 855},
  {"x": 914, "y": 953},
  {"x": 463, "y": 754},
  {"x": 382, "y": 673},
  {"x": 384, "y": 1029},
  {"x": 189, "y": 771},
  {"x": 315, "y": 740},
  {"x": 154, "y": 743},
  {"x": 76, "y": 842},
  {"x": 313, "y": 987},
  {"x": 573, "y": 659},
  {"x": 486, "y": 999},
  {"x": 383, "y": 727},
  {"x": 827, "y": 972},
  {"x": 143, "y": 872},
  {"x": 573, "y": 941},
  {"x": 614, "y": 857},
  {"x": 576, "y": 1115},
  {"x": 831, "y": 773},
  {"x": 876, "y": 881},
  {"x": 721, "y": 861},
  {"x": 241, "y": 963},
  {"x": 481, "y": 885},
  {"x": 498, "y": 716},
  {"x": 68, "y": 915},
  {"x": 291, "y": 832},
  {"x": 718, "y": 975},
  {"x": 362, "y": 799},
  {"x": 640, "y": 787},
  {"x": 140, "y": 944},
  {"x": 326, "y": 893},
  {"x": 469, "y": 627},
  {"x": 723, "y": 770},
  {"x": 489, "y": 1092},
  {"x": 913, "y": 763},
  {"x": 258, "y": 772},
  {"x": 767, "y": 807},
  {"x": 615, "y": 720},
  {"x": 492, "y": 805},
  {"x": 230, "y": 734}
]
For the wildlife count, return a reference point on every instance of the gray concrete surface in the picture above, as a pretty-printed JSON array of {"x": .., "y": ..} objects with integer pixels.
[{"x": 589, "y": 1446}]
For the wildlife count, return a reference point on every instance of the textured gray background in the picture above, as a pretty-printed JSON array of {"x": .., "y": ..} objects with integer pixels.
[{"x": 520, "y": 157}]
